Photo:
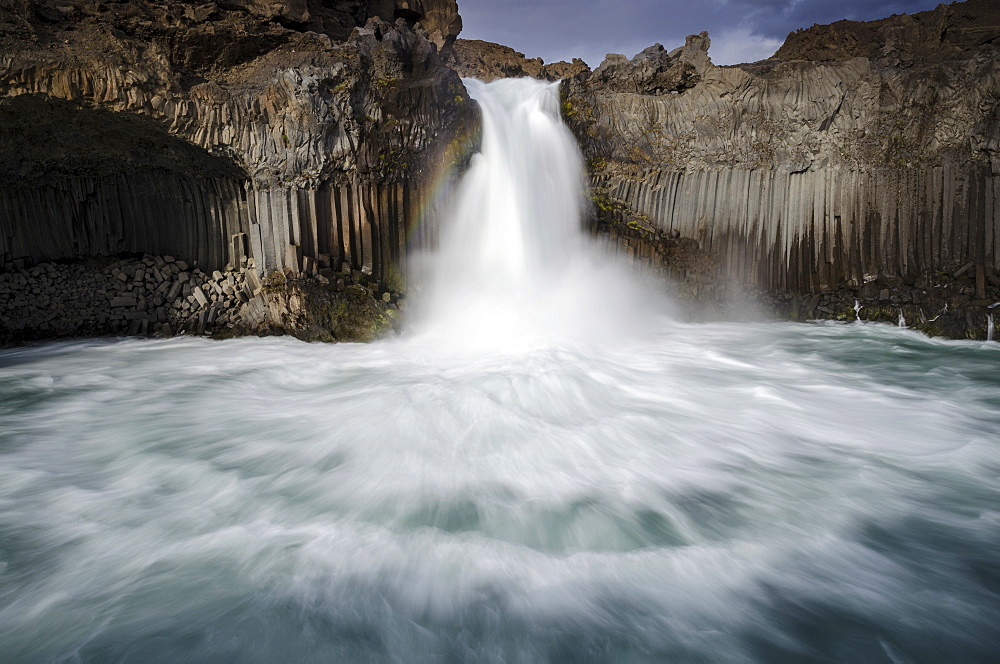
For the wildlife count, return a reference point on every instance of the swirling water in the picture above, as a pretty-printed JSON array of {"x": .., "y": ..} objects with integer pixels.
[
  {"x": 547, "y": 469},
  {"x": 715, "y": 493}
]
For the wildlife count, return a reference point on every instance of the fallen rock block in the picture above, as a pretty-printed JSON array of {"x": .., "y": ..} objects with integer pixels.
[{"x": 123, "y": 302}]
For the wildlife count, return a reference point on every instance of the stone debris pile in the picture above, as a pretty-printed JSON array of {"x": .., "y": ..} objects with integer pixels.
[
  {"x": 162, "y": 296},
  {"x": 152, "y": 295}
]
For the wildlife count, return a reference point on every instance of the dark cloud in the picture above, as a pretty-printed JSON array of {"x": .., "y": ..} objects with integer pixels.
[
  {"x": 776, "y": 18},
  {"x": 741, "y": 30}
]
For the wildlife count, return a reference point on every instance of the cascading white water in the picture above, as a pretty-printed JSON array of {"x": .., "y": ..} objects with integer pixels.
[
  {"x": 515, "y": 268},
  {"x": 990, "y": 327},
  {"x": 902, "y": 319}
]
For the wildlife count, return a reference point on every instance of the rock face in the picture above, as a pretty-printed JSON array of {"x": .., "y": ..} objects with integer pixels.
[
  {"x": 439, "y": 17},
  {"x": 947, "y": 33},
  {"x": 654, "y": 71},
  {"x": 486, "y": 61},
  {"x": 861, "y": 151},
  {"x": 318, "y": 309},
  {"x": 274, "y": 130}
]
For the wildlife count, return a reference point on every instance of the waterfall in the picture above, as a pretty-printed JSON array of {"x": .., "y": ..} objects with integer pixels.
[
  {"x": 857, "y": 310},
  {"x": 514, "y": 266},
  {"x": 990, "y": 327},
  {"x": 902, "y": 319}
]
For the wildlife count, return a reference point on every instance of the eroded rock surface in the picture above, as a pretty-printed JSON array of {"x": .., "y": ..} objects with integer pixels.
[
  {"x": 486, "y": 61},
  {"x": 860, "y": 152},
  {"x": 654, "y": 71},
  {"x": 950, "y": 32},
  {"x": 328, "y": 120}
]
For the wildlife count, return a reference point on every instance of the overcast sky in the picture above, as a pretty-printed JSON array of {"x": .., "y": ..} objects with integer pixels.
[{"x": 741, "y": 30}]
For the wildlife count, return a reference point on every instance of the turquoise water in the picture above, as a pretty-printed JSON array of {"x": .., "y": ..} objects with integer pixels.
[{"x": 712, "y": 493}]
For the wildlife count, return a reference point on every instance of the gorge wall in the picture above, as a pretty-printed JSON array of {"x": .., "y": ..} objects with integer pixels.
[
  {"x": 859, "y": 153},
  {"x": 291, "y": 133}
]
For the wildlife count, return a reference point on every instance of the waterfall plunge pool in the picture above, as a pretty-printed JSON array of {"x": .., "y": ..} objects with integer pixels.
[{"x": 767, "y": 493}]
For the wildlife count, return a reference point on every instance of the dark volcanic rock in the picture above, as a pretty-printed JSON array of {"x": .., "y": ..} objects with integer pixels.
[
  {"x": 949, "y": 32},
  {"x": 654, "y": 71},
  {"x": 296, "y": 11},
  {"x": 862, "y": 152},
  {"x": 439, "y": 17},
  {"x": 45, "y": 140},
  {"x": 163, "y": 296},
  {"x": 310, "y": 311},
  {"x": 487, "y": 61},
  {"x": 283, "y": 131}
]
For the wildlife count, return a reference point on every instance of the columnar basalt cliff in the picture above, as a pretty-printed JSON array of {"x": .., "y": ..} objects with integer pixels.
[
  {"x": 316, "y": 146},
  {"x": 283, "y": 135},
  {"x": 861, "y": 161}
]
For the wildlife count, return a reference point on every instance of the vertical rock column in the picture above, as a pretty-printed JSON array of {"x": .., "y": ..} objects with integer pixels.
[
  {"x": 156, "y": 212},
  {"x": 363, "y": 225},
  {"x": 803, "y": 231}
]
